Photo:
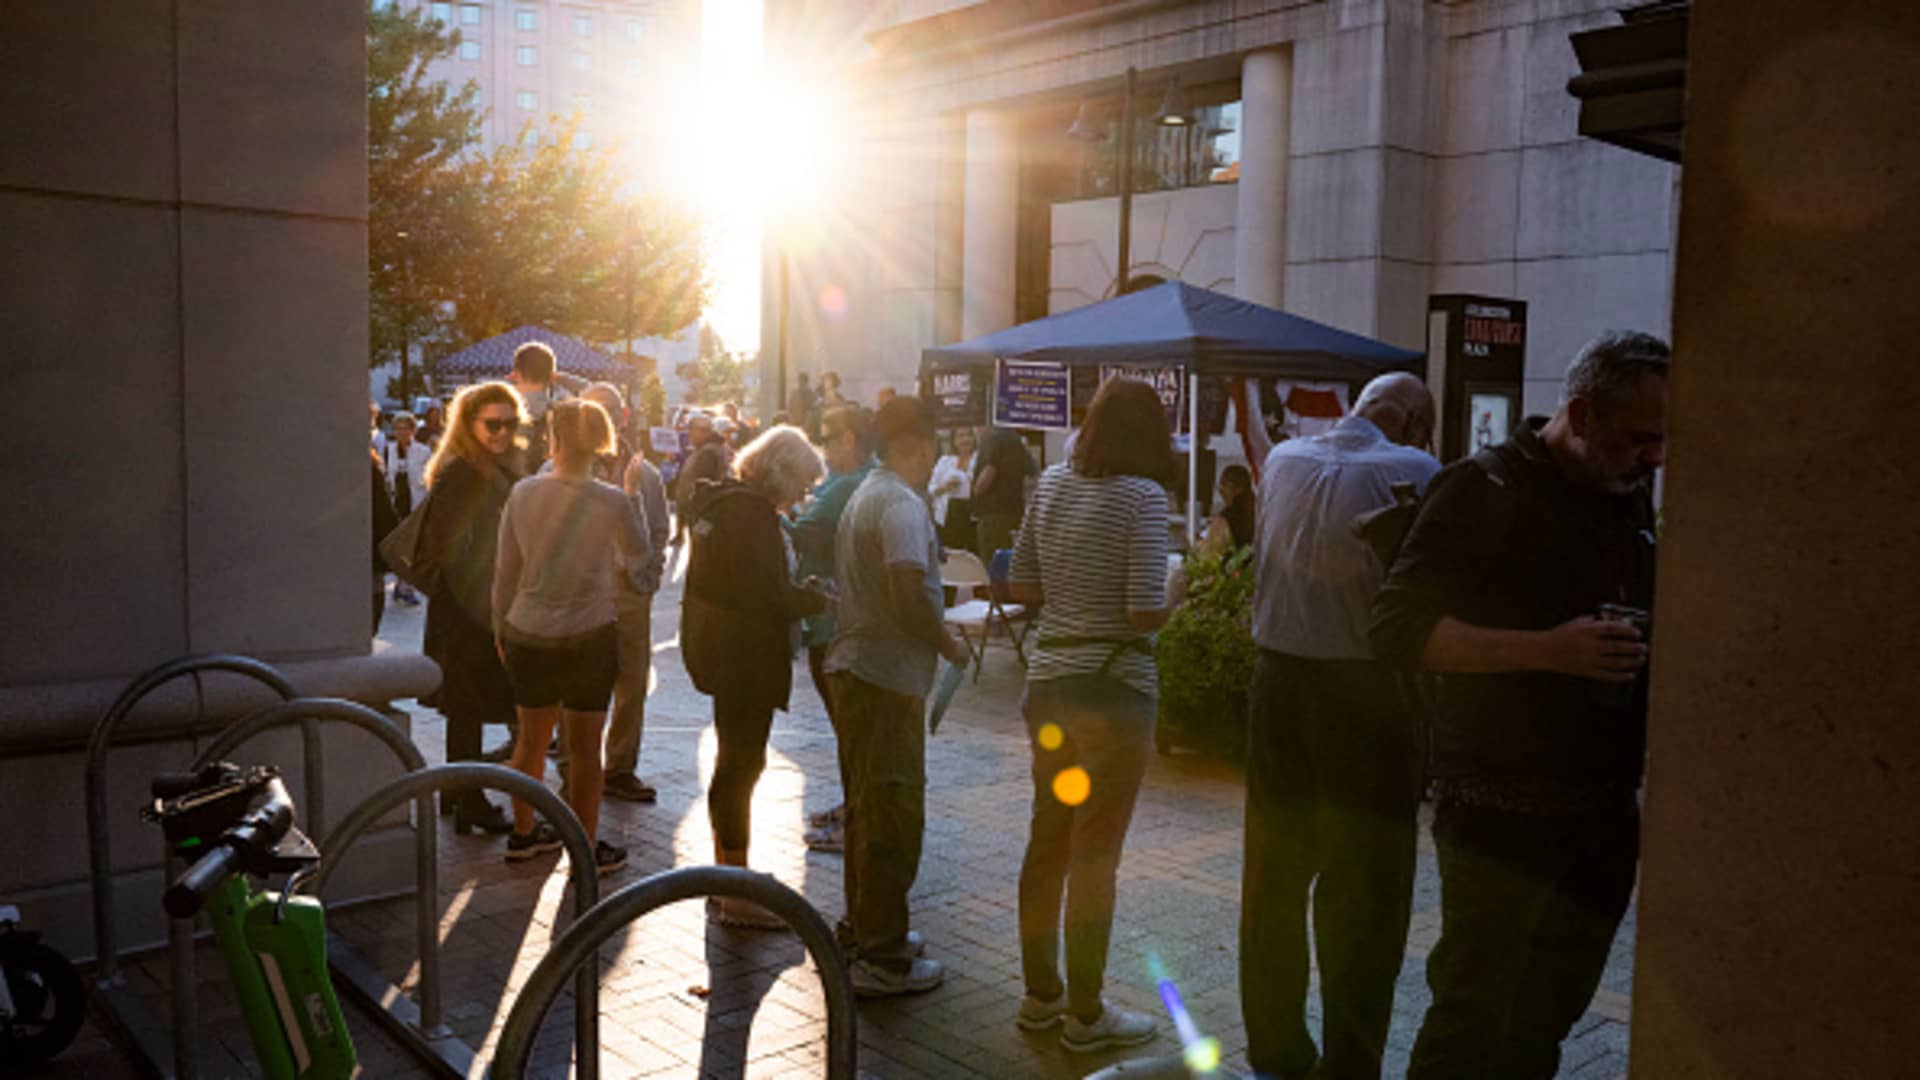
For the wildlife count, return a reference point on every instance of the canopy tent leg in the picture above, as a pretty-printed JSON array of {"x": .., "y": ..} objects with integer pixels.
[{"x": 1193, "y": 458}]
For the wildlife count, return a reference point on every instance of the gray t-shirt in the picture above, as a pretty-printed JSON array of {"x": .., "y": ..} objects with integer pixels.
[
  {"x": 886, "y": 523},
  {"x": 553, "y": 579}
]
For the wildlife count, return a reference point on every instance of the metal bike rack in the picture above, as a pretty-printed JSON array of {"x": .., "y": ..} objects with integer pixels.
[
  {"x": 422, "y": 1027},
  {"x": 577, "y": 949},
  {"x": 122, "y": 1009}
]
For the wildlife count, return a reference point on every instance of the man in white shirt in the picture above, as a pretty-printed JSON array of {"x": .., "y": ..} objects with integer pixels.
[
  {"x": 1333, "y": 783},
  {"x": 405, "y": 463}
]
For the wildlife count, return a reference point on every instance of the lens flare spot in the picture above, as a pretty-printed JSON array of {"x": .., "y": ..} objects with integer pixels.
[
  {"x": 1051, "y": 737},
  {"x": 1203, "y": 1057},
  {"x": 833, "y": 301},
  {"x": 1072, "y": 785}
]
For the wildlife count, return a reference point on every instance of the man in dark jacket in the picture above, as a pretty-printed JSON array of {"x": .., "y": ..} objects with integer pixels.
[{"x": 1540, "y": 719}]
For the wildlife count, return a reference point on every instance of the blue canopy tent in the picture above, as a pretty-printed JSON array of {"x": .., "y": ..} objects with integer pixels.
[
  {"x": 1182, "y": 326},
  {"x": 493, "y": 358}
]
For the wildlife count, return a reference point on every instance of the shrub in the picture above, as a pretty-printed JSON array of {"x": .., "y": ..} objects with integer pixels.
[{"x": 1206, "y": 656}]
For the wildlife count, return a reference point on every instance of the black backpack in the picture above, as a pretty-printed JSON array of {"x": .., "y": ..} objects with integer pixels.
[{"x": 1385, "y": 530}]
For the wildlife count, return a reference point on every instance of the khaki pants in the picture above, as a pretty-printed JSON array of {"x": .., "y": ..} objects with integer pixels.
[
  {"x": 883, "y": 767},
  {"x": 635, "y": 629}
]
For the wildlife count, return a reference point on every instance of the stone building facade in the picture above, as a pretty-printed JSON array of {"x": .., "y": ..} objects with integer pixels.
[{"x": 1347, "y": 159}]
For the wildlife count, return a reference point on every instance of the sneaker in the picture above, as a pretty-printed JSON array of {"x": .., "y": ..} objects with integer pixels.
[
  {"x": 828, "y": 817},
  {"x": 541, "y": 839},
  {"x": 871, "y": 980},
  {"x": 1115, "y": 1028},
  {"x": 630, "y": 788},
  {"x": 1037, "y": 1015},
  {"x": 831, "y": 839},
  {"x": 608, "y": 858}
]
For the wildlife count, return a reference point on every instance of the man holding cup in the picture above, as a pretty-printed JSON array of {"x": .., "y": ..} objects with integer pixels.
[{"x": 1526, "y": 585}]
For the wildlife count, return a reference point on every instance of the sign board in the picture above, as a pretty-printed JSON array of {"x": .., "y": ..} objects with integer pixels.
[
  {"x": 1478, "y": 356},
  {"x": 1029, "y": 395},
  {"x": 958, "y": 398},
  {"x": 1168, "y": 382}
]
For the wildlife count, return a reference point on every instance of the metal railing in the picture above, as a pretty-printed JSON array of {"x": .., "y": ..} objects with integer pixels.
[
  {"x": 576, "y": 952},
  {"x": 121, "y": 1008}
]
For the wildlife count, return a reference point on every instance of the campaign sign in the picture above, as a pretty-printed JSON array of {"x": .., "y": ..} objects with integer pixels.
[
  {"x": 957, "y": 398},
  {"x": 1029, "y": 395},
  {"x": 1168, "y": 382}
]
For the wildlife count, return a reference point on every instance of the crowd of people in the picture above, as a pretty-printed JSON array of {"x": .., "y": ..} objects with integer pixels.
[{"x": 1492, "y": 655}]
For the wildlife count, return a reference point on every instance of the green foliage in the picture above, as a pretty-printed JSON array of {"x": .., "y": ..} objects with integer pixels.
[
  {"x": 541, "y": 231},
  {"x": 653, "y": 400},
  {"x": 1206, "y": 652}
]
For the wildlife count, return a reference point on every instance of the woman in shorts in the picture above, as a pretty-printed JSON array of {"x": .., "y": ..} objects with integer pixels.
[{"x": 554, "y": 617}]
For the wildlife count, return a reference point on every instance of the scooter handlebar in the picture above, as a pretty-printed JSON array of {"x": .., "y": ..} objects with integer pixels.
[{"x": 255, "y": 834}]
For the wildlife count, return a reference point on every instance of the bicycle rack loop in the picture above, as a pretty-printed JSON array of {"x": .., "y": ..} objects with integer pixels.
[
  {"x": 453, "y": 1055},
  {"x": 122, "y": 1009},
  {"x": 577, "y": 950}
]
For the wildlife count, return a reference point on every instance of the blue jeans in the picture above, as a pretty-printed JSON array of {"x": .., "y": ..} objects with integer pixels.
[{"x": 1106, "y": 729}]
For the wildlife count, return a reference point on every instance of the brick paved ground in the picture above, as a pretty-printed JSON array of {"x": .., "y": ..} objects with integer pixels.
[{"x": 683, "y": 999}]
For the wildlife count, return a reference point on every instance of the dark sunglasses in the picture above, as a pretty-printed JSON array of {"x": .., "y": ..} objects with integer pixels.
[{"x": 495, "y": 427}]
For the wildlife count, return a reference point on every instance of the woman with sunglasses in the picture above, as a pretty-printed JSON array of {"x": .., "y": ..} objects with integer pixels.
[{"x": 469, "y": 478}]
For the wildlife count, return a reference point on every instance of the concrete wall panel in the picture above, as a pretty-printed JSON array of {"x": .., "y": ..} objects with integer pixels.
[
  {"x": 1588, "y": 198},
  {"x": 1341, "y": 294},
  {"x": 273, "y": 106},
  {"x": 92, "y": 329},
  {"x": 1486, "y": 92},
  {"x": 276, "y": 346},
  {"x": 1407, "y": 211},
  {"x": 1334, "y": 206},
  {"x": 1571, "y": 300},
  {"x": 88, "y": 96},
  {"x": 1478, "y": 200},
  {"x": 1336, "y": 91},
  {"x": 1488, "y": 279},
  {"x": 1549, "y": 113}
]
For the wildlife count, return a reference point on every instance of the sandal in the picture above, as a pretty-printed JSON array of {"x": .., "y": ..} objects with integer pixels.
[{"x": 742, "y": 914}]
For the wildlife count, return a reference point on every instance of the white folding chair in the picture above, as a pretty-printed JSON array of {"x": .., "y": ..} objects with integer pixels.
[{"x": 973, "y": 618}]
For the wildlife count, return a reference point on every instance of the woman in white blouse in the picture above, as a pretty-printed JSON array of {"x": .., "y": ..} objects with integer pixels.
[{"x": 952, "y": 477}]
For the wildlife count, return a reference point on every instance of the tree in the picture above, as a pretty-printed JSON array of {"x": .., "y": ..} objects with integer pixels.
[
  {"x": 718, "y": 375},
  {"x": 417, "y": 131},
  {"x": 652, "y": 400},
  {"x": 550, "y": 239}
]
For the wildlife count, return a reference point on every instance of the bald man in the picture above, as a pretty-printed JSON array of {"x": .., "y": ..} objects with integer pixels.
[{"x": 1332, "y": 777}]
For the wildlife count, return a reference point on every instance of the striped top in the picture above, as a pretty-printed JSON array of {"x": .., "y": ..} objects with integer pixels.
[{"x": 1097, "y": 547}]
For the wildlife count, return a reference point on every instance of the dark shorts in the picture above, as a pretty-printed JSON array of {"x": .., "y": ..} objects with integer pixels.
[{"x": 577, "y": 676}]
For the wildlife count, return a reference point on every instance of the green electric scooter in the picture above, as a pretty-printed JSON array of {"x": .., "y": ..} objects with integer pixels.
[{"x": 233, "y": 823}]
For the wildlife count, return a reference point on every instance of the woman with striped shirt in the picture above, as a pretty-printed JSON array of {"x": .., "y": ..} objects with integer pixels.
[{"x": 1094, "y": 548}]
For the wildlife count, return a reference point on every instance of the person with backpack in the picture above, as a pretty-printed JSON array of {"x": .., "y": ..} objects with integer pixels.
[
  {"x": 1333, "y": 779},
  {"x": 739, "y": 629},
  {"x": 1526, "y": 585}
]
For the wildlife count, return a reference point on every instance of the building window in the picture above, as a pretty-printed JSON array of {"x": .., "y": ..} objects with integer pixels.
[
  {"x": 469, "y": 50},
  {"x": 583, "y": 26},
  {"x": 442, "y": 12},
  {"x": 526, "y": 20},
  {"x": 636, "y": 29},
  {"x": 528, "y": 100},
  {"x": 636, "y": 66},
  {"x": 526, "y": 55},
  {"x": 580, "y": 61},
  {"x": 1204, "y": 151},
  {"x": 470, "y": 14}
]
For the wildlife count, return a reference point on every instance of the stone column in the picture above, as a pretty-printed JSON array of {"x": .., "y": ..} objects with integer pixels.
[
  {"x": 1260, "y": 219},
  {"x": 988, "y": 222}
]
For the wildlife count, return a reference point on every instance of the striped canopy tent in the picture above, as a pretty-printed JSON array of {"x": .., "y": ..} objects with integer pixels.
[{"x": 493, "y": 358}]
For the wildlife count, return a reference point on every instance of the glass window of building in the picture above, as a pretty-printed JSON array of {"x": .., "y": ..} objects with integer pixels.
[
  {"x": 470, "y": 14},
  {"x": 442, "y": 12},
  {"x": 1206, "y": 150},
  {"x": 528, "y": 100},
  {"x": 526, "y": 20},
  {"x": 526, "y": 55},
  {"x": 636, "y": 29},
  {"x": 469, "y": 50},
  {"x": 581, "y": 61},
  {"x": 583, "y": 26}
]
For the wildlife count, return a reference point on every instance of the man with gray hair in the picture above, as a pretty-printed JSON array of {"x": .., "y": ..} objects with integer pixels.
[
  {"x": 1526, "y": 585},
  {"x": 1333, "y": 790}
]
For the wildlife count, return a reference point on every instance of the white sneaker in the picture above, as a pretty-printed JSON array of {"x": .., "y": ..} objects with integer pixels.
[
  {"x": 871, "y": 980},
  {"x": 1037, "y": 1015},
  {"x": 1115, "y": 1028}
]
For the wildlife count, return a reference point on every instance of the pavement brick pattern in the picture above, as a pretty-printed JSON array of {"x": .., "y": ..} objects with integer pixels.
[{"x": 682, "y": 999}]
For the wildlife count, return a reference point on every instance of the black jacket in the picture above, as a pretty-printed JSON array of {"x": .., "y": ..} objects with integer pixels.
[
  {"x": 461, "y": 536},
  {"x": 739, "y": 605},
  {"x": 1513, "y": 544}
]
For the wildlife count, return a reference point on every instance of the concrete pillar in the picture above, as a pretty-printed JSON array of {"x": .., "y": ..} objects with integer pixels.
[
  {"x": 1266, "y": 138},
  {"x": 989, "y": 221},
  {"x": 1778, "y": 934}
]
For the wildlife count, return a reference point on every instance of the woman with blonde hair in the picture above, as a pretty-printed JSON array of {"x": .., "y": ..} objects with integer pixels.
[
  {"x": 469, "y": 476},
  {"x": 555, "y": 615},
  {"x": 739, "y": 627}
]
